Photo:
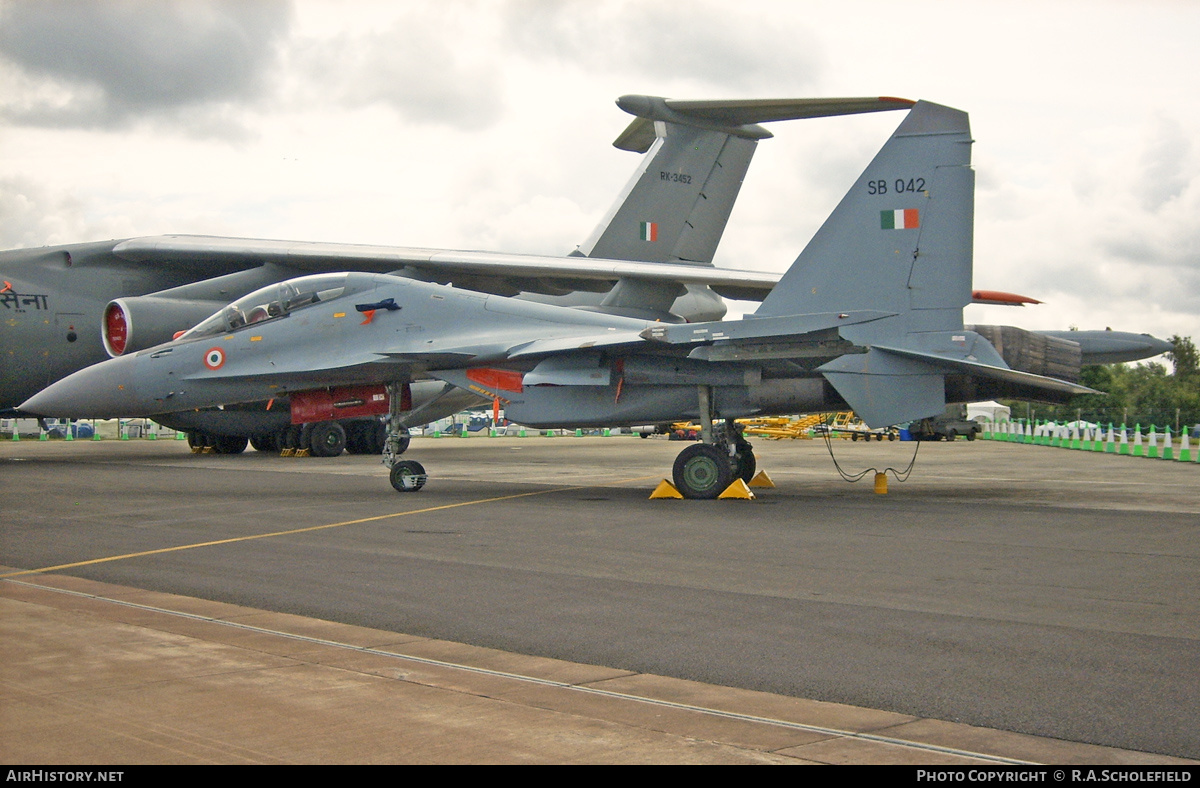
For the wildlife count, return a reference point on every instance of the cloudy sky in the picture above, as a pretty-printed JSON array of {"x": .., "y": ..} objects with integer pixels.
[{"x": 488, "y": 125}]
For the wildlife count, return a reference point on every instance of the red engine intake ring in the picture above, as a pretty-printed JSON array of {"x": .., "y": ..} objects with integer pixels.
[{"x": 114, "y": 329}]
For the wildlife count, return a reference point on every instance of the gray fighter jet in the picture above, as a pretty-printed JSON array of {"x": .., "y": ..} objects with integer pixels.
[
  {"x": 869, "y": 317},
  {"x": 66, "y": 307}
]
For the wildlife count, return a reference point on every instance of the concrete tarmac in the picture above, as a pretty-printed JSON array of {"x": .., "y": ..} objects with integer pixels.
[{"x": 1006, "y": 602}]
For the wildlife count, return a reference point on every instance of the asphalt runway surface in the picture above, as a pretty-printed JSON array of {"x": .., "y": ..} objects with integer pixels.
[{"x": 1030, "y": 589}]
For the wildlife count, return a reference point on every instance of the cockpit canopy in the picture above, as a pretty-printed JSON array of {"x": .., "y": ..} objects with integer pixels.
[{"x": 271, "y": 302}]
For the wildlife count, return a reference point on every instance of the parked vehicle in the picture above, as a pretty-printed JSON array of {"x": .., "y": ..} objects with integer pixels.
[{"x": 948, "y": 426}]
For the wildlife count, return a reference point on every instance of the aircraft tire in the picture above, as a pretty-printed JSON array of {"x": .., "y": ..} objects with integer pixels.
[
  {"x": 328, "y": 439},
  {"x": 197, "y": 440},
  {"x": 376, "y": 439},
  {"x": 229, "y": 444},
  {"x": 408, "y": 476},
  {"x": 289, "y": 438},
  {"x": 356, "y": 437},
  {"x": 702, "y": 471},
  {"x": 265, "y": 443},
  {"x": 367, "y": 437}
]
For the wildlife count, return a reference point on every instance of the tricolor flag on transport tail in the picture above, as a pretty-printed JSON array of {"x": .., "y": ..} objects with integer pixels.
[
  {"x": 904, "y": 219},
  {"x": 649, "y": 231}
]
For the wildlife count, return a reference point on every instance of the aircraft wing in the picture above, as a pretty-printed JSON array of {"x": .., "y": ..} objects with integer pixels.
[{"x": 504, "y": 274}]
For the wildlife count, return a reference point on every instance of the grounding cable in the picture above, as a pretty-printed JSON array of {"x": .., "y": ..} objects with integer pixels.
[{"x": 901, "y": 476}]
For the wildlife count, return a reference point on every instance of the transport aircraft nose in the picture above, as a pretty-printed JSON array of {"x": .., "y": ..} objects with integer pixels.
[
  {"x": 103, "y": 390},
  {"x": 1158, "y": 345},
  {"x": 1113, "y": 347}
]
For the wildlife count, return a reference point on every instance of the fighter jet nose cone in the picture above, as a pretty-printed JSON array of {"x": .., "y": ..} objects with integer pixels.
[{"x": 103, "y": 390}]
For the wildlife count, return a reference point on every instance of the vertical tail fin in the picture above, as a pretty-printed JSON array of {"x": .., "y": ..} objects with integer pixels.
[
  {"x": 901, "y": 239},
  {"x": 675, "y": 207},
  {"x": 900, "y": 244}
]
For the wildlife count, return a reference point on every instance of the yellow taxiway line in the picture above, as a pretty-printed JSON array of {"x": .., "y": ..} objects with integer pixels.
[{"x": 107, "y": 559}]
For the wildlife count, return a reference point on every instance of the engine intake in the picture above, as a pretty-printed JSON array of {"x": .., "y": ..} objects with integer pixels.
[{"x": 139, "y": 322}]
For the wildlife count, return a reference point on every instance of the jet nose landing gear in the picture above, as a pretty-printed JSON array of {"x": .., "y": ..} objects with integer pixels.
[
  {"x": 405, "y": 475},
  {"x": 408, "y": 476}
]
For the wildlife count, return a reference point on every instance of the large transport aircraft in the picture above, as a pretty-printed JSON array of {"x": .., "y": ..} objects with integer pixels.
[
  {"x": 650, "y": 257},
  {"x": 868, "y": 317}
]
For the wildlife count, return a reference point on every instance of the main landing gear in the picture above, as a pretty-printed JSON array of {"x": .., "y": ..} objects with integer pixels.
[
  {"x": 706, "y": 469},
  {"x": 703, "y": 470},
  {"x": 204, "y": 443},
  {"x": 317, "y": 439},
  {"x": 329, "y": 438}
]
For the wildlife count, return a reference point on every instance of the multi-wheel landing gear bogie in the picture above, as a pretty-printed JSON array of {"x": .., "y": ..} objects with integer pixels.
[
  {"x": 320, "y": 439},
  {"x": 204, "y": 443},
  {"x": 331, "y": 438}
]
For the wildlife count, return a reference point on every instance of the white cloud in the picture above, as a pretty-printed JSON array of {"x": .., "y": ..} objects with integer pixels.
[
  {"x": 106, "y": 64},
  {"x": 410, "y": 66},
  {"x": 752, "y": 48}
]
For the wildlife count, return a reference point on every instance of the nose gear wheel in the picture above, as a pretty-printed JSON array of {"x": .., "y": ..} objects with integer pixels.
[{"x": 408, "y": 476}]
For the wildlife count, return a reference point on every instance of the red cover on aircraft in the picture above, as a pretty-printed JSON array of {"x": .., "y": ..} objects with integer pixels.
[
  {"x": 1001, "y": 298},
  {"x": 343, "y": 402},
  {"x": 502, "y": 379}
]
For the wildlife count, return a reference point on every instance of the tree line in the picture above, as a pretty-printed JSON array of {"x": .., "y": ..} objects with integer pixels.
[{"x": 1144, "y": 393}]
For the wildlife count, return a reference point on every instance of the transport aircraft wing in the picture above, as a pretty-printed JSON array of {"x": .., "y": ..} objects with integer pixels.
[{"x": 508, "y": 273}]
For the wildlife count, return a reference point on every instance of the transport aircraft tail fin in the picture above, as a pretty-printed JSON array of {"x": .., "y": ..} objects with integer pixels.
[{"x": 675, "y": 207}]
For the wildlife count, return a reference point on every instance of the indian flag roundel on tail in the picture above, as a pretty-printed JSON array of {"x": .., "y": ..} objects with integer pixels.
[
  {"x": 903, "y": 219},
  {"x": 649, "y": 231}
]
